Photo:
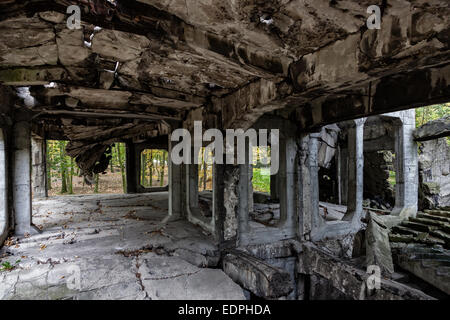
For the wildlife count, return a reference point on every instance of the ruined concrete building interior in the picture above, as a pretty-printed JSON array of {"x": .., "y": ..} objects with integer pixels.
[{"x": 342, "y": 96}]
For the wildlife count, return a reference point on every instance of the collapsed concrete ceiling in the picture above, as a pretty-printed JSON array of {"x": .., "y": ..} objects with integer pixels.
[{"x": 160, "y": 61}]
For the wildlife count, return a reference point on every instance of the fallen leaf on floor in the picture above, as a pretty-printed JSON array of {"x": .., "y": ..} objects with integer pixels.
[{"x": 42, "y": 247}]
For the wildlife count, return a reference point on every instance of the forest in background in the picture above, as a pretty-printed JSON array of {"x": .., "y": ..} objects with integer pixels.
[{"x": 64, "y": 175}]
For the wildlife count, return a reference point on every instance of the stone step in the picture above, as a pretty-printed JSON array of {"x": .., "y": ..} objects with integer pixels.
[
  {"x": 430, "y": 222},
  {"x": 418, "y": 226},
  {"x": 427, "y": 239},
  {"x": 440, "y": 213},
  {"x": 429, "y": 216},
  {"x": 405, "y": 230},
  {"x": 405, "y": 238},
  {"x": 442, "y": 235}
]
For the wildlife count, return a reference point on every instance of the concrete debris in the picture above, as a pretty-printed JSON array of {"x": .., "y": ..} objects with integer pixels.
[
  {"x": 378, "y": 250},
  {"x": 255, "y": 275}
]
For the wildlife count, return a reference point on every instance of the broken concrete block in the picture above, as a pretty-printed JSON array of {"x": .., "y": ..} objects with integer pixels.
[
  {"x": 378, "y": 250},
  {"x": 433, "y": 130},
  {"x": 257, "y": 276}
]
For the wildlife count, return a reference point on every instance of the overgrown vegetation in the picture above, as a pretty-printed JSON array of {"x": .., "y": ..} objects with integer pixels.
[
  {"x": 7, "y": 266},
  {"x": 154, "y": 168}
]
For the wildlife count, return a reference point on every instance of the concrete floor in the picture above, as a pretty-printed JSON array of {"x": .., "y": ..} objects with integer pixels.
[{"x": 112, "y": 247}]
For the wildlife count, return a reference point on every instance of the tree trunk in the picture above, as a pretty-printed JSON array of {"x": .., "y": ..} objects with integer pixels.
[
  {"x": 205, "y": 174},
  {"x": 163, "y": 168},
  {"x": 150, "y": 180},
  {"x": 62, "y": 155},
  {"x": 122, "y": 168},
  {"x": 96, "y": 183},
  {"x": 71, "y": 173},
  {"x": 143, "y": 168}
]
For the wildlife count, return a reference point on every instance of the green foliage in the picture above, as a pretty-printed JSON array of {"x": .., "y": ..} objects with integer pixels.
[
  {"x": 154, "y": 168},
  {"x": 434, "y": 112},
  {"x": 391, "y": 179},
  {"x": 6, "y": 266},
  {"x": 430, "y": 113},
  {"x": 261, "y": 181}
]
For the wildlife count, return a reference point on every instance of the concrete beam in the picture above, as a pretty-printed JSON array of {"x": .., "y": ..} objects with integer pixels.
[{"x": 397, "y": 92}]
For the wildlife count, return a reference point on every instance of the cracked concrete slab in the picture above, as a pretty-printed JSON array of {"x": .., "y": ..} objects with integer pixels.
[{"x": 112, "y": 247}]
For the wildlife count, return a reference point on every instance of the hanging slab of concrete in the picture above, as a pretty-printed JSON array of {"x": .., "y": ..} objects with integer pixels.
[{"x": 433, "y": 130}]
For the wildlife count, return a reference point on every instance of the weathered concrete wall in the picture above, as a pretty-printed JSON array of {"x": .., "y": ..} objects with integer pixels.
[
  {"x": 434, "y": 163},
  {"x": 376, "y": 175}
]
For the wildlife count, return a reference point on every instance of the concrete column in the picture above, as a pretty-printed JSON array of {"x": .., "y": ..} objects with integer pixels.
[
  {"x": 131, "y": 167},
  {"x": 176, "y": 195},
  {"x": 250, "y": 188},
  {"x": 242, "y": 194},
  {"x": 406, "y": 160},
  {"x": 274, "y": 187},
  {"x": 4, "y": 214},
  {"x": 355, "y": 170},
  {"x": 288, "y": 152},
  {"x": 22, "y": 178},
  {"x": 39, "y": 167},
  {"x": 230, "y": 201},
  {"x": 308, "y": 181}
]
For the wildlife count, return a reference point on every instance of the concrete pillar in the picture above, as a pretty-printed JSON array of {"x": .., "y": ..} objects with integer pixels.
[
  {"x": 288, "y": 152},
  {"x": 250, "y": 188},
  {"x": 131, "y": 167},
  {"x": 22, "y": 178},
  {"x": 342, "y": 174},
  {"x": 242, "y": 194},
  {"x": 176, "y": 194},
  {"x": 355, "y": 170},
  {"x": 406, "y": 167},
  {"x": 39, "y": 167},
  {"x": 4, "y": 214},
  {"x": 274, "y": 187},
  {"x": 308, "y": 181},
  {"x": 230, "y": 201}
]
